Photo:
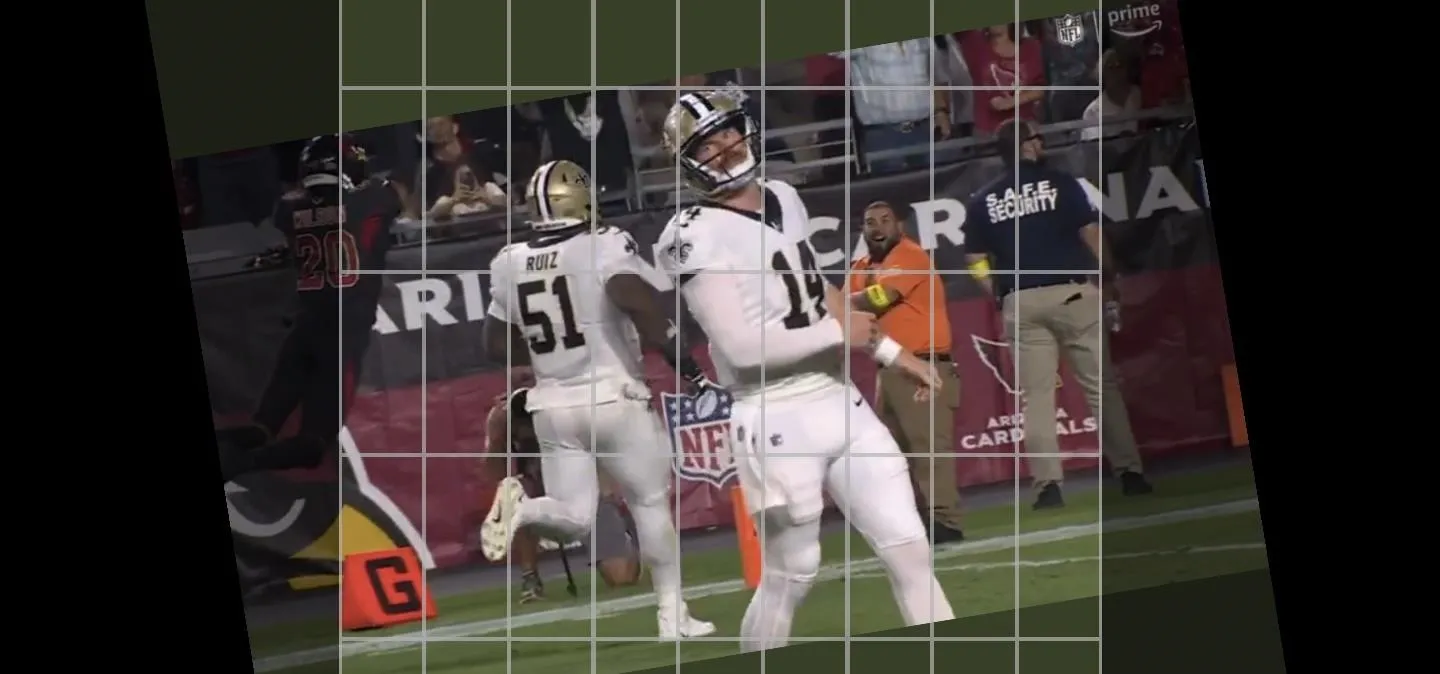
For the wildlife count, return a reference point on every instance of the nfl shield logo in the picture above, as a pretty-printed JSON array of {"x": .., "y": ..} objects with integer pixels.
[
  {"x": 1070, "y": 29},
  {"x": 700, "y": 432}
]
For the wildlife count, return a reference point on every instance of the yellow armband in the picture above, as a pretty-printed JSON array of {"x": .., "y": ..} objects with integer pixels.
[
  {"x": 879, "y": 297},
  {"x": 980, "y": 270}
]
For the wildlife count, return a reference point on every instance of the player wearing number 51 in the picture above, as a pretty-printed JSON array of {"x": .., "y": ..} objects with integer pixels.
[
  {"x": 570, "y": 303},
  {"x": 337, "y": 224}
]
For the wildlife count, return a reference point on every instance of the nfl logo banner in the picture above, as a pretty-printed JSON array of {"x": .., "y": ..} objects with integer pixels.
[{"x": 700, "y": 433}]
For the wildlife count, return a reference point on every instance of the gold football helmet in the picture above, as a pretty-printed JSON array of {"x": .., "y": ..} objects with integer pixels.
[
  {"x": 708, "y": 169},
  {"x": 558, "y": 196}
]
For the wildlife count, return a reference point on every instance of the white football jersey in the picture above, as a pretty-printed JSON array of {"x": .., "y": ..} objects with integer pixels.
[
  {"x": 775, "y": 279},
  {"x": 582, "y": 347}
]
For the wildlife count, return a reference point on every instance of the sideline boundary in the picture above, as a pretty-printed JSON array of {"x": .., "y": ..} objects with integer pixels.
[
  {"x": 879, "y": 574},
  {"x": 351, "y": 646}
]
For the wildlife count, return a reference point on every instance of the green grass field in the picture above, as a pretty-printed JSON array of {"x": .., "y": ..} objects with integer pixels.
[{"x": 977, "y": 582}]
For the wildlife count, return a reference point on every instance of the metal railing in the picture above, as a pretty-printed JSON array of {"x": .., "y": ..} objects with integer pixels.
[
  {"x": 647, "y": 183},
  {"x": 1056, "y": 133}
]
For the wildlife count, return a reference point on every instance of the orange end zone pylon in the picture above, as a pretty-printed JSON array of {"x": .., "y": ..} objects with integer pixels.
[
  {"x": 383, "y": 588},
  {"x": 748, "y": 537},
  {"x": 1234, "y": 408}
]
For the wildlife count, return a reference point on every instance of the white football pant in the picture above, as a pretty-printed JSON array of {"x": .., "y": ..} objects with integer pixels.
[
  {"x": 628, "y": 439},
  {"x": 788, "y": 454}
]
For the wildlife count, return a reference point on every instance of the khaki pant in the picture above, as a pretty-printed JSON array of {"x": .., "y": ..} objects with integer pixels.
[
  {"x": 1042, "y": 324},
  {"x": 909, "y": 423}
]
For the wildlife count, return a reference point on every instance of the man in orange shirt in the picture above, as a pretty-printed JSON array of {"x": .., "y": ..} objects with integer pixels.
[{"x": 894, "y": 283}]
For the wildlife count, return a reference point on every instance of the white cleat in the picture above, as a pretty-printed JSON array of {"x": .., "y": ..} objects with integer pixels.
[
  {"x": 685, "y": 628},
  {"x": 496, "y": 533}
]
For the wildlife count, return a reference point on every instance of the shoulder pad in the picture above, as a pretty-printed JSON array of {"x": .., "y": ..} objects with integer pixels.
[
  {"x": 686, "y": 216},
  {"x": 780, "y": 186},
  {"x": 504, "y": 250},
  {"x": 630, "y": 246}
]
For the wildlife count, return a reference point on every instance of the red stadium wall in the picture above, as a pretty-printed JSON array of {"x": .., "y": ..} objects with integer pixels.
[{"x": 1174, "y": 342}]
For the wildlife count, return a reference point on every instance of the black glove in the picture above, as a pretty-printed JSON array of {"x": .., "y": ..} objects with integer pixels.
[
  {"x": 696, "y": 381},
  {"x": 699, "y": 383}
]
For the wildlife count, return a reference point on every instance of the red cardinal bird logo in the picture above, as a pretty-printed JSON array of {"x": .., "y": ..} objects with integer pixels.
[{"x": 991, "y": 354}]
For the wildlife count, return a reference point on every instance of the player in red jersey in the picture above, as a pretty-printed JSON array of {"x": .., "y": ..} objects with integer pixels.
[{"x": 336, "y": 225}]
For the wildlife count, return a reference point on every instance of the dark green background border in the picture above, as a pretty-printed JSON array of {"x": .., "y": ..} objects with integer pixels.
[{"x": 243, "y": 74}]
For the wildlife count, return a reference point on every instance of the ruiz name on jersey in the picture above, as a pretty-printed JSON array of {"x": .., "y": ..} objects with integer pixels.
[{"x": 1029, "y": 199}]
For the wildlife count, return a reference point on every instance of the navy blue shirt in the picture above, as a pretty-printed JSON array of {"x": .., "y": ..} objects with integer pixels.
[{"x": 1049, "y": 207}]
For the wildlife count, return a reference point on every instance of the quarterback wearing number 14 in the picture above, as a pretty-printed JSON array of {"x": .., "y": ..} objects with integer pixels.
[{"x": 778, "y": 333}]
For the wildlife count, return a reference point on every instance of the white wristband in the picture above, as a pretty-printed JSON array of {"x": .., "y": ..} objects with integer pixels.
[{"x": 887, "y": 351}]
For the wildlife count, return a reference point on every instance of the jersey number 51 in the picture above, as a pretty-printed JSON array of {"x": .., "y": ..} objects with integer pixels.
[{"x": 543, "y": 319}]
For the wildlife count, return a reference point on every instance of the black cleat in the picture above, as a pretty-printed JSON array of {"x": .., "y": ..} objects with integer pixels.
[
  {"x": 1049, "y": 497},
  {"x": 1134, "y": 484},
  {"x": 944, "y": 534}
]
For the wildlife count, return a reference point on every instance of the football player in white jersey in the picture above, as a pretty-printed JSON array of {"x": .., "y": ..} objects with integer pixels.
[
  {"x": 749, "y": 277},
  {"x": 570, "y": 303}
]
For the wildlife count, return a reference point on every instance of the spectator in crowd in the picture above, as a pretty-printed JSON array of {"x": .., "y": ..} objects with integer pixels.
[
  {"x": 521, "y": 147},
  {"x": 287, "y": 161},
  {"x": 185, "y": 197},
  {"x": 1117, "y": 97},
  {"x": 572, "y": 123},
  {"x": 457, "y": 180},
  {"x": 1070, "y": 45},
  {"x": 1152, "y": 42},
  {"x": 895, "y": 283},
  {"x": 1050, "y": 303},
  {"x": 899, "y": 119},
  {"x": 651, "y": 106},
  {"x": 527, "y": 140},
  {"x": 961, "y": 101},
  {"x": 1000, "y": 57},
  {"x": 824, "y": 70},
  {"x": 775, "y": 147},
  {"x": 238, "y": 186}
]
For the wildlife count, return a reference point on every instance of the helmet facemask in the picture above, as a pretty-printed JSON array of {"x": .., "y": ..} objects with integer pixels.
[
  {"x": 333, "y": 163},
  {"x": 712, "y": 176}
]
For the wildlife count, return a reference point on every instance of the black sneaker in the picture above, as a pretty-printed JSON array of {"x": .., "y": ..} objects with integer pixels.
[
  {"x": 531, "y": 589},
  {"x": 1134, "y": 484},
  {"x": 1049, "y": 497}
]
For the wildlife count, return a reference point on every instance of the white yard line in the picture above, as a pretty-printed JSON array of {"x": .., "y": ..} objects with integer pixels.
[
  {"x": 872, "y": 572},
  {"x": 357, "y": 645},
  {"x": 1039, "y": 563}
]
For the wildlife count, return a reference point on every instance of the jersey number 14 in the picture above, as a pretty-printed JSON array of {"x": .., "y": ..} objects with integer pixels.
[{"x": 805, "y": 286}]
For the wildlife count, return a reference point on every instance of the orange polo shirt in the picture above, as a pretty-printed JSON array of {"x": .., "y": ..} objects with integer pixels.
[{"x": 906, "y": 269}]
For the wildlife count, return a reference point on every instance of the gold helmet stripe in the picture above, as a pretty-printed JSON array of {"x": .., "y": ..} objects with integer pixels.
[
  {"x": 542, "y": 191},
  {"x": 696, "y": 105}
]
